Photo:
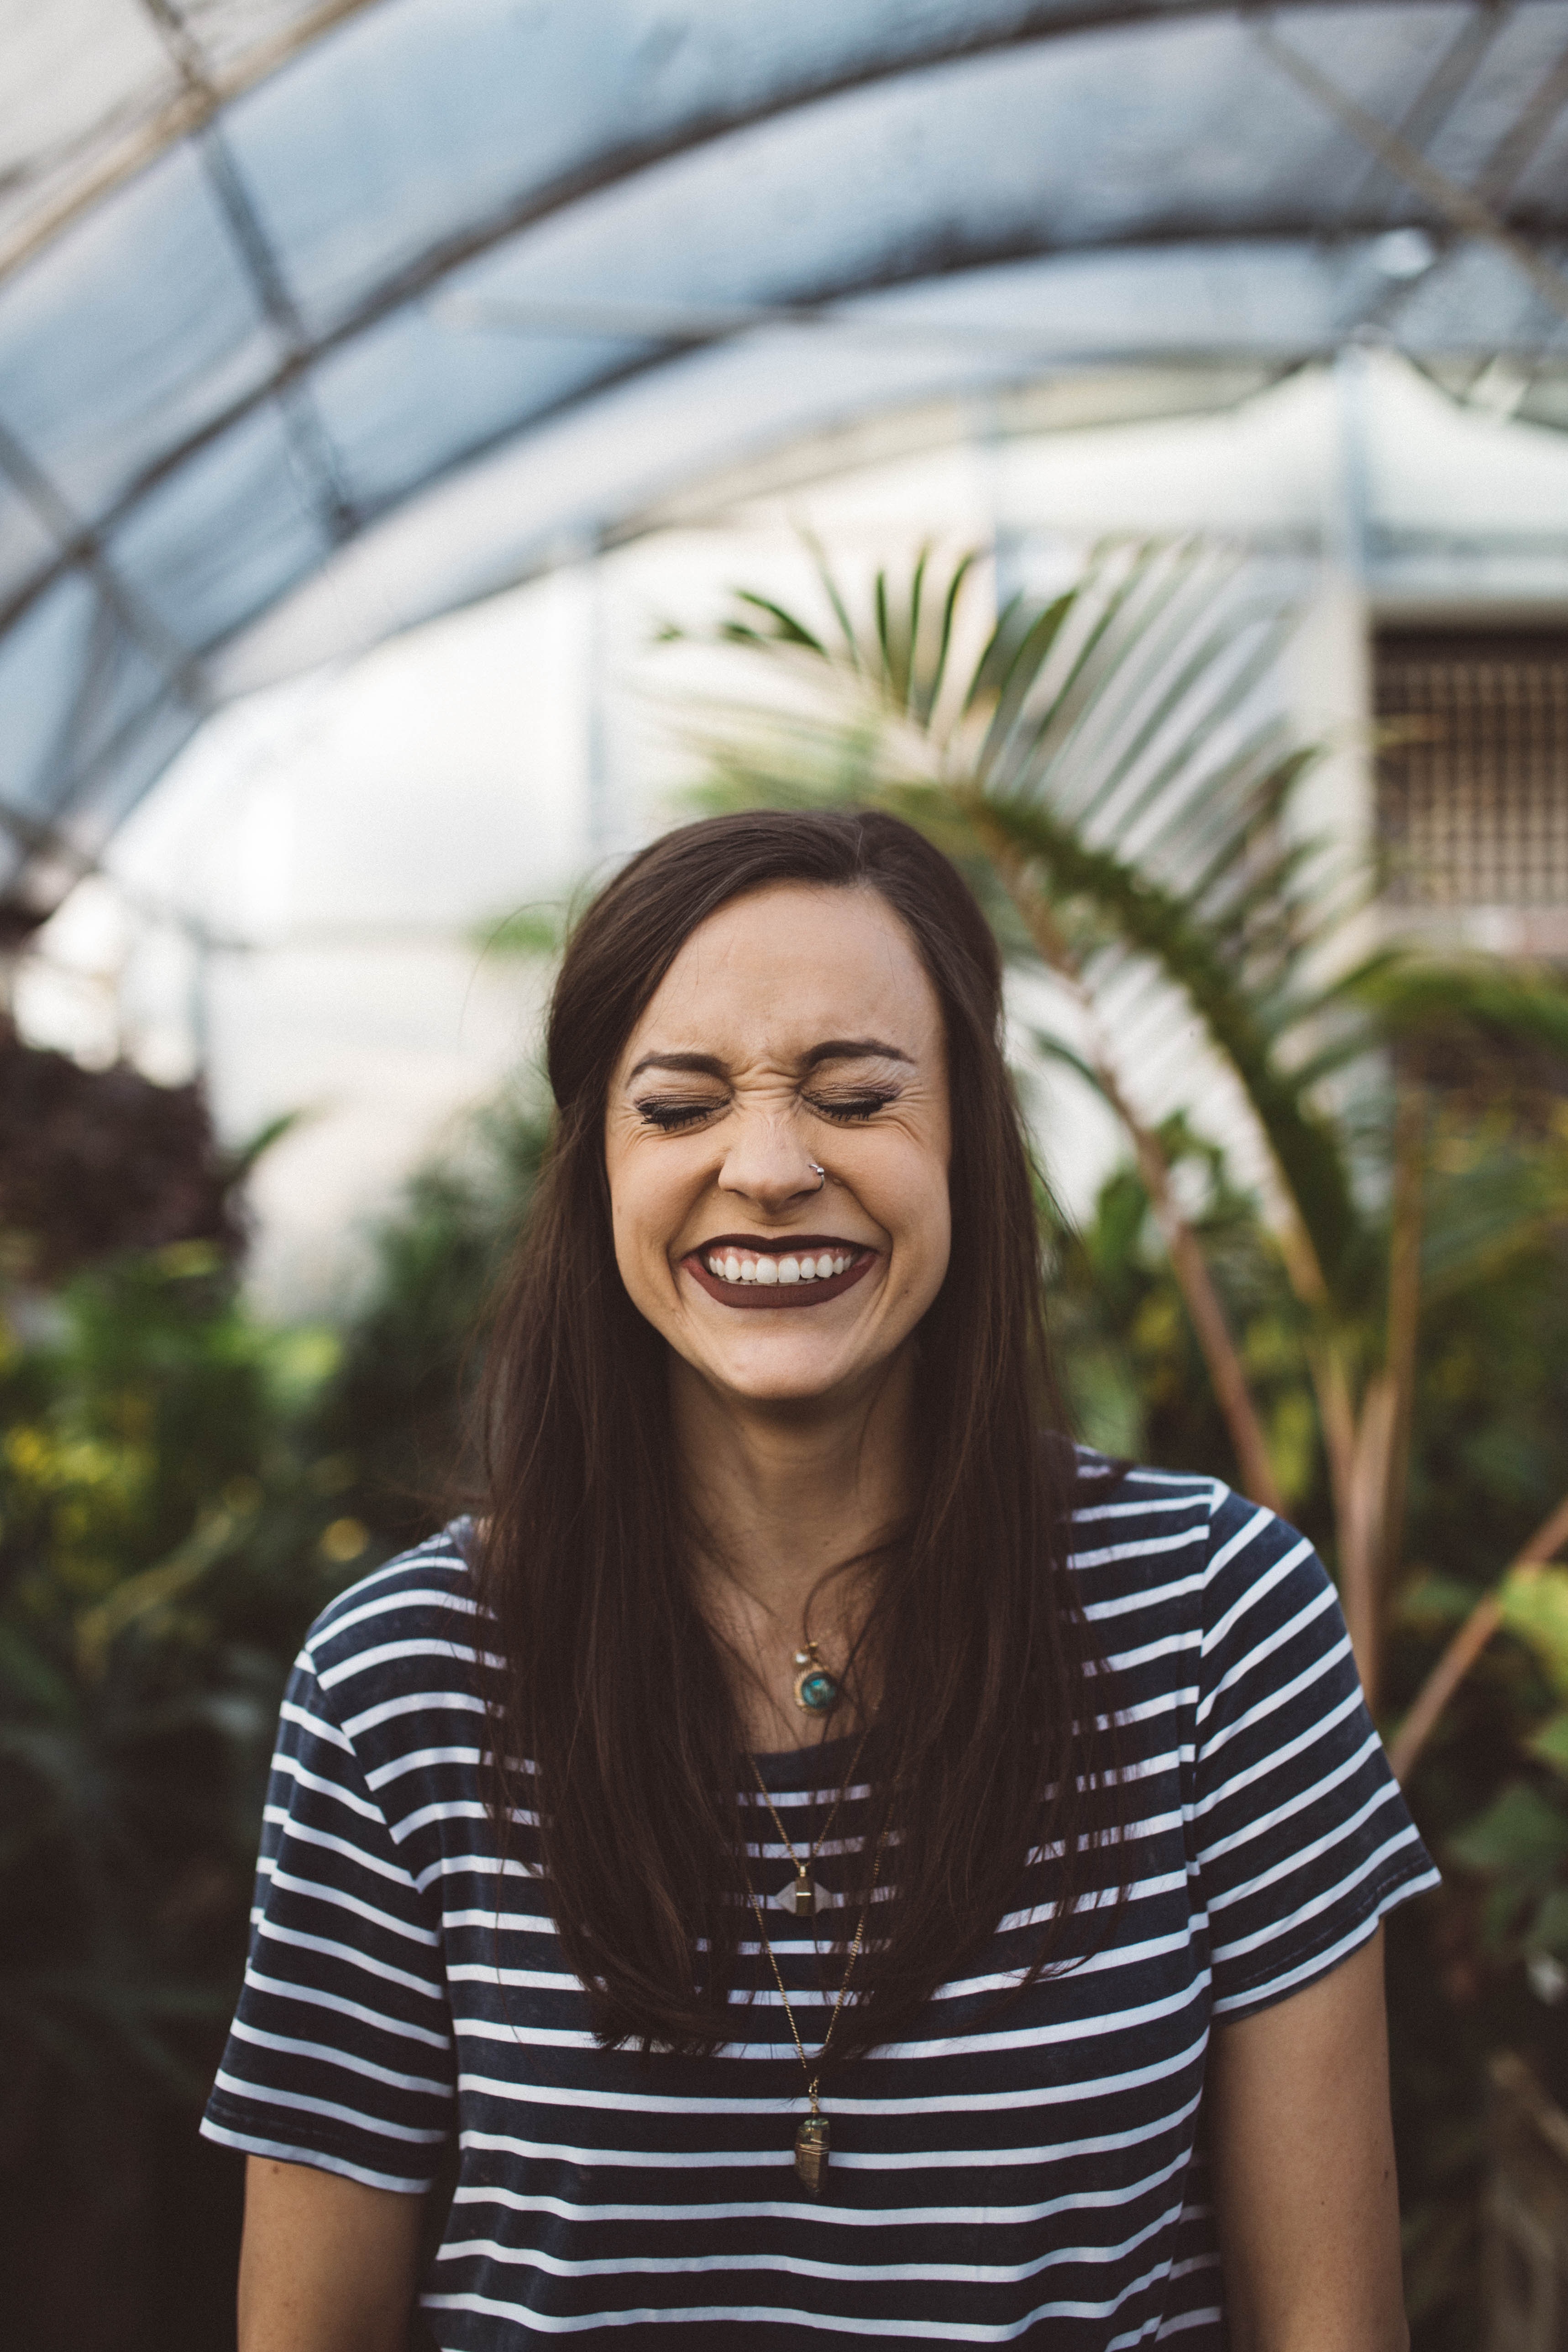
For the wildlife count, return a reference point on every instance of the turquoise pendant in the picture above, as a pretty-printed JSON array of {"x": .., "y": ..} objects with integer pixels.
[{"x": 815, "y": 1688}]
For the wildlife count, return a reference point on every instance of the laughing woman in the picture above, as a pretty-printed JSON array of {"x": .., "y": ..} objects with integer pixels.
[{"x": 818, "y": 1858}]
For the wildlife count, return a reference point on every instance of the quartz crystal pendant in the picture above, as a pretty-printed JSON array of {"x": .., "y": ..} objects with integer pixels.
[
  {"x": 811, "y": 2153},
  {"x": 804, "y": 1898}
]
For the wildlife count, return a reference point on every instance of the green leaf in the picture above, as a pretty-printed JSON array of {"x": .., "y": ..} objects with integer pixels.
[
  {"x": 1550, "y": 1745},
  {"x": 783, "y": 627},
  {"x": 1435, "y": 1603},
  {"x": 1500, "y": 1001},
  {"x": 1534, "y": 1600},
  {"x": 1498, "y": 1914},
  {"x": 29, "y": 1676},
  {"x": 1520, "y": 1835},
  {"x": 1161, "y": 923},
  {"x": 240, "y": 1163},
  {"x": 1548, "y": 1928}
]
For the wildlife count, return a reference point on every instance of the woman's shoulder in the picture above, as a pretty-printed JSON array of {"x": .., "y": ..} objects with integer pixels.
[
  {"x": 1118, "y": 1503},
  {"x": 419, "y": 1604},
  {"x": 1138, "y": 1532}
]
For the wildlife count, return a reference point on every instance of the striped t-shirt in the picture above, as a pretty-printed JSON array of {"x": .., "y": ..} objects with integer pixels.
[{"x": 1027, "y": 2169}]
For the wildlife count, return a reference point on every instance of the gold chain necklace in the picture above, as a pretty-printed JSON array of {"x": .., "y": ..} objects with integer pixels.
[
  {"x": 804, "y": 1890},
  {"x": 812, "y": 2138}
]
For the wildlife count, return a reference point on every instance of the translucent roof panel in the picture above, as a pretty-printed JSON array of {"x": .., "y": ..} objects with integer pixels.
[{"x": 316, "y": 320}]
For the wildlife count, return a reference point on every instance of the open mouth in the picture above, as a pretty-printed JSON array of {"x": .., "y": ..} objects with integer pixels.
[{"x": 796, "y": 1270}]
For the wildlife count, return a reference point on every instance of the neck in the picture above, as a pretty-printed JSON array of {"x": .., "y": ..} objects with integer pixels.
[{"x": 787, "y": 1493}]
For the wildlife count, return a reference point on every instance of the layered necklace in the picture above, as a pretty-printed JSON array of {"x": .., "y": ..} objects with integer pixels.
[
  {"x": 812, "y": 2139},
  {"x": 805, "y": 1895}
]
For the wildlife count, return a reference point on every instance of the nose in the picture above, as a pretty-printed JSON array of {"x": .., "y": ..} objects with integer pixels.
[{"x": 767, "y": 1162}]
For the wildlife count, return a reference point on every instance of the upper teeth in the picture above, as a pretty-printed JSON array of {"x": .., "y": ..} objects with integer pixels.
[{"x": 743, "y": 1265}]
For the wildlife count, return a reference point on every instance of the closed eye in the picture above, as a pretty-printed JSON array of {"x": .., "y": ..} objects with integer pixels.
[
  {"x": 670, "y": 1117},
  {"x": 848, "y": 1108}
]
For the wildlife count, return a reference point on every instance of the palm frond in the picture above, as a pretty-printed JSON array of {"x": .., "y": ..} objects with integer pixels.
[
  {"x": 1500, "y": 1004},
  {"x": 1118, "y": 735},
  {"x": 1164, "y": 928}
]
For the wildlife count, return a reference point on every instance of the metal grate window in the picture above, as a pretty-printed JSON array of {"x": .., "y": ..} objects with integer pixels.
[{"x": 1472, "y": 770}]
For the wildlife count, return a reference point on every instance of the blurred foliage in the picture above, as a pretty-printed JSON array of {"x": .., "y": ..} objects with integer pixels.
[
  {"x": 1484, "y": 1965},
  {"x": 181, "y": 1490},
  {"x": 392, "y": 1419},
  {"x": 1484, "y": 1969},
  {"x": 1385, "y": 1343},
  {"x": 159, "y": 1554},
  {"x": 92, "y": 1161},
  {"x": 1134, "y": 1372}
]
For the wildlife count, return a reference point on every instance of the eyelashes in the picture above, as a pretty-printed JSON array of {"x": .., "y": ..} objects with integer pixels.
[
  {"x": 672, "y": 1117},
  {"x": 849, "y": 1108}
]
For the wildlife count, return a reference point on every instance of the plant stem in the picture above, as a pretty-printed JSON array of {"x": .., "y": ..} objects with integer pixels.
[
  {"x": 1466, "y": 1646},
  {"x": 1407, "y": 1213},
  {"x": 1187, "y": 1261},
  {"x": 1360, "y": 1529},
  {"x": 1325, "y": 1362},
  {"x": 1368, "y": 1451}
]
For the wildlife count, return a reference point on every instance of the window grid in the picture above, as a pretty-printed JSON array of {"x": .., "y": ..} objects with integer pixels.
[{"x": 1472, "y": 770}]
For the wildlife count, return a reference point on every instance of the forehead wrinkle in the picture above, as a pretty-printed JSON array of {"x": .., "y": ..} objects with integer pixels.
[{"x": 770, "y": 994}]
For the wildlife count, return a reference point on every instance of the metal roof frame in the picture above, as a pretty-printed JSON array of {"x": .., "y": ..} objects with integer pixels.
[{"x": 168, "y": 600}]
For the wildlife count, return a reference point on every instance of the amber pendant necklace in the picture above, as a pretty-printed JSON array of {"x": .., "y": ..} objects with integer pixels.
[{"x": 813, "y": 2139}]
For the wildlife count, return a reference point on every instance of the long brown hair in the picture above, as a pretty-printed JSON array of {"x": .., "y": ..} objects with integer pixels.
[{"x": 988, "y": 1742}]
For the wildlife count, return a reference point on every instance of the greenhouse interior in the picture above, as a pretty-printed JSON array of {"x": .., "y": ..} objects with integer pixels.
[{"x": 446, "y": 443}]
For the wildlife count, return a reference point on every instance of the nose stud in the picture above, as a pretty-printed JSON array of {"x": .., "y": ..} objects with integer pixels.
[{"x": 820, "y": 1173}]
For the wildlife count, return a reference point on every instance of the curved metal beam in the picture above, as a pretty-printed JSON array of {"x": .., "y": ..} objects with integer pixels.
[
  {"x": 193, "y": 105},
  {"x": 1466, "y": 211},
  {"x": 86, "y": 545},
  {"x": 414, "y": 280},
  {"x": 203, "y": 96},
  {"x": 1037, "y": 27}
]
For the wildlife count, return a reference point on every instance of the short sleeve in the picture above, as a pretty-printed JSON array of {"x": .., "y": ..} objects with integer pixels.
[
  {"x": 1301, "y": 1837},
  {"x": 340, "y": 2051}
]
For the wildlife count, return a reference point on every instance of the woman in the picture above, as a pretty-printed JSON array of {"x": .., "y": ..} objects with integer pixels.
[{"x": 930, "y": 1885}]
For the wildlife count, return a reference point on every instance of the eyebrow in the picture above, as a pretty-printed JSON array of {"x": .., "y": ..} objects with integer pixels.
[{"x": 832, "y": 1049}]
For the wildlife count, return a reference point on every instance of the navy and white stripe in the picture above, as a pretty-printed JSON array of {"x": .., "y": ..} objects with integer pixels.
[{"x": 1030, "y": 2170}]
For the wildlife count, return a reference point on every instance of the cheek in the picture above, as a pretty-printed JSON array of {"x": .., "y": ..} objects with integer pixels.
[
  {"x": 923, "y": 1209},
  {"x": 648, "y": 1206},
  {"x": 628, "y": 1205}
]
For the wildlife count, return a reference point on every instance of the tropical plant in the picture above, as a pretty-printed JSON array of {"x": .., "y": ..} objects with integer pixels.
[
  {"x": 181, "y": 1489},
  {"x": 1468, "y": 1970},
  {"x": 161, "y": 1548},
  {"x": 392, "y": 1421},
  {"x": 1379, "y": 1298},
  {"x": 1113, "y": 771}
]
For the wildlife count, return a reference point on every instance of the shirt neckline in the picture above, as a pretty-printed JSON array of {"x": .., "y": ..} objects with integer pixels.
[{"x": 822, "y": 1765}]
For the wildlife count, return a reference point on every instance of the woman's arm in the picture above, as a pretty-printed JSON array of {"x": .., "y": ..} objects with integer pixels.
[
  {"x": 326, "y": 2265},
  {"x": 1302, "y": 2148}
]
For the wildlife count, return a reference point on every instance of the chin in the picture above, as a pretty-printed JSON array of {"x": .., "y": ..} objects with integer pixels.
[{"x": 787, "y": 1374}]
